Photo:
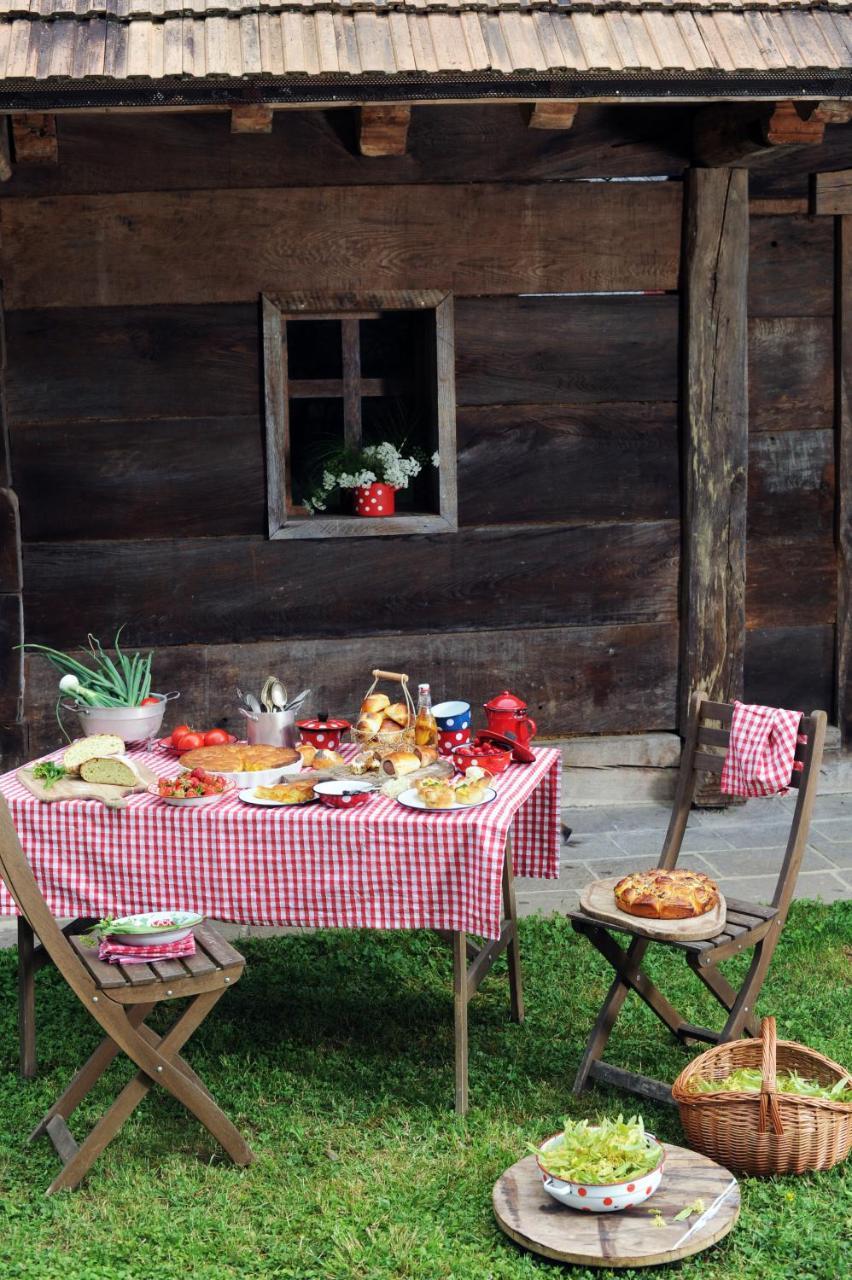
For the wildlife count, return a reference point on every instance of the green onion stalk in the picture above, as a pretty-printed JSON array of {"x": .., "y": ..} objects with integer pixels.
[{"x": 124, "y": 682}]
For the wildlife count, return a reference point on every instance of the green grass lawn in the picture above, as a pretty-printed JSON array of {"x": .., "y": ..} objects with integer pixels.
[{"x": 334, "y": 1054}]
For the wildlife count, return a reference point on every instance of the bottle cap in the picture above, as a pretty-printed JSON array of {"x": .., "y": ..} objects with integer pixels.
[{"x": 423, "y": 688}]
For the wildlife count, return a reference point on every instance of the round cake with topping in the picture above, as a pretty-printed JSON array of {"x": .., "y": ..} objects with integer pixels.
[
  {"x": 239, "y": 758},
  {"x": 666, "y": 895}
]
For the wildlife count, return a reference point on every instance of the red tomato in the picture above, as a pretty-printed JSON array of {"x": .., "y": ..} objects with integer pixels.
[
  {"x": 216, "y": 738},
  {"x": 189, "y": 742},
  {"x": 178, "y": 732},
  {"x": 149, "y": 702}
]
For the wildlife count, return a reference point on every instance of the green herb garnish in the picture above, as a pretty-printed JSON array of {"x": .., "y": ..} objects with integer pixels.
[
  {"x": 49, "y": 772},
  {"x": 697, "y": 1206},
  {"x": 749, "y": 1080},
  {"x": 609, "y": 1151}
]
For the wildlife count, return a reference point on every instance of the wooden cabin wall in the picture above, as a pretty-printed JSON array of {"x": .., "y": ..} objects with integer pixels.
[{"x": 131, "y": 272}]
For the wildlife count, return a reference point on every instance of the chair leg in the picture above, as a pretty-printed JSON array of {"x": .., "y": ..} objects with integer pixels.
[
  {"x": 724, "y": 993},
  {"x": 510, "y": 907},
  {"x": 460, "y": 1002},
  {"x": 157, "y": 1065},
  {"x": 26, "y": 1000},
  {"x": 605, "y": 1021},
  {"x": 742, "y": 1011}
]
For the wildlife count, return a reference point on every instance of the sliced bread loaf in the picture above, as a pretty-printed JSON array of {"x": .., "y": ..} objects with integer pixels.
[
  {"x": 95, "y": 747},
  {"x": 113, "y": 770}
]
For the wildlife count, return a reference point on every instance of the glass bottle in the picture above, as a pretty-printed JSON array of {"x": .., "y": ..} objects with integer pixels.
[{"x": 425, "y": 726}]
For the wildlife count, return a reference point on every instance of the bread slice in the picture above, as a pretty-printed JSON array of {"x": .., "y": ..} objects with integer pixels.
[
  {"x": 113, "y": 770},
  {"x": 95, "y": 747}
]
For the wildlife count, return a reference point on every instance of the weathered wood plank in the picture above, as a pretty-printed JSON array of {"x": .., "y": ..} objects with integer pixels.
[
  {"x": 383, "y": 129},
  {"x": 162, "y": 151},
  {"x": 831, "y": 193},
  {"x": 787, "y": 171},
  {"x": 132, "y": 363},
  {"x": 34, "y": 138},
  {"x": 791, "y": 266},
  {"x": 791, "y": 581},
  {"x": 11, "y": 658},
  {"x": 11, "y": 573},
  {"x": 6, "y": 167},
  {"x": 791, "y": 484},
  {"x": 716, "y": 434},
  {"x": 576, "y": 679},
  {"x": 178, "y": 477},
  {"x": 554, "y": 575},
  {"x": 791, "y": 373},
  {"x": 143, "y": 248},
  {"x": 568, "y": 462},
  {"x": 549, "y": 350},
  {"x": 790, "y": 667},
  {"x": 843, "y": 694}
]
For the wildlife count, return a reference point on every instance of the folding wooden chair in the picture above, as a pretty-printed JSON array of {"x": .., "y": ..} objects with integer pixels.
[
  {"x": 748, "y": 925},
  {"x": 120, "y": 999}
]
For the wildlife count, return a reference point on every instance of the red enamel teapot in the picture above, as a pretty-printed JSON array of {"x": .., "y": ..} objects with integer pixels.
[{"x": 507, "y": 714}]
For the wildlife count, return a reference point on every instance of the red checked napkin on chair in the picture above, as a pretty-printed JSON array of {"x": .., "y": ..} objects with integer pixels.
[
  {"x": 119, "y": 953},
  {"x": 759, "y": 760}
]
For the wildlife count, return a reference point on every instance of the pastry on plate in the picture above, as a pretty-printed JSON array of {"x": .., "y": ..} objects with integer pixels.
[
  {"x": 399, "y": 763},
  {"x": 239, "y": 758},
  {"x": 436, "y": 793},
  {"x": 374, "y": 704},
  {"x": 327, "y": 760},
  {"x": 398, "y": 713},
  {"x": 307, "y": 751},
  {"x": 473, "y": 787},
  {"x": 298, "y": 791},
  {"x": 666, "y": 895}
]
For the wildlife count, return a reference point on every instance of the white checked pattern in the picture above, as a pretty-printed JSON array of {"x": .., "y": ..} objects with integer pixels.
[
  {"x": 759, "y": 759},
  {"x": 381, "y": 866}
]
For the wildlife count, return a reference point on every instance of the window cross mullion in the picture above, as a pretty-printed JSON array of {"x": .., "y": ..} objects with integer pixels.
[{"x": 350, "y": 335}]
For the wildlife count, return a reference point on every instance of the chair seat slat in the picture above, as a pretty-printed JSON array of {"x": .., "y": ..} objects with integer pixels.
[
  {"x": 168, "y": 970},
  {"x": 220, "y": 951},
  {"x": 107, "y": 976},
  {"x": 199, "y": 964},
  {"x": 138, "y": 975},
  {"x": 757, "y": 909}
]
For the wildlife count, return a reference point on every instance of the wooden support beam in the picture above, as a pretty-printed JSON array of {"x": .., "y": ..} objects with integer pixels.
[
  {"x": 552, "y": 115},
  {"x": 35, "y": 140},
  {"x": 5, "y": 150},
  {"x": 831, "y": 193},
  {"x": 251, "y": 118},
  {"x": 730, "y": 133},
  {"x": 792, "y": 124},
  {"x": 384, "y": 129},
  {"x": 843, "y": 409},
  {"x": 833, "y": 112},
  {"x": 715, "y": 438}
]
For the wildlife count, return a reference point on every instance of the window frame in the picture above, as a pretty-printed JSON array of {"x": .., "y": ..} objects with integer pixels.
[{"x": 277, "y": 310}]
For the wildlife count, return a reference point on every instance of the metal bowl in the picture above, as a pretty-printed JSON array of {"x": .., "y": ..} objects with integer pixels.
[{"x": 133, "y": 724}]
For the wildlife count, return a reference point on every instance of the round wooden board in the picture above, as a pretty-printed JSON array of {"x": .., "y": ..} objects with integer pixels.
[
  {"x": 598, "y": 900},
  {"x": 535, "y": 1220}
]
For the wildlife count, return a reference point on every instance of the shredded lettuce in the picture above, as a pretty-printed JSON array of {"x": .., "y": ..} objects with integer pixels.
[
  {"x": 609, "y": 1151},
  {"x": 749, "y": 1079}
]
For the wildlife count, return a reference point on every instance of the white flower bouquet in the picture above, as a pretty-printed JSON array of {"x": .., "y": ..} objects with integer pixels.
[{"x": 358, "y": 468}]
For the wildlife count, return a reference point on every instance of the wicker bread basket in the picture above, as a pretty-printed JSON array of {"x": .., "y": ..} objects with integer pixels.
[
  {"x": 764, "y": 1132},
  {"x": 401, "y": 739}
]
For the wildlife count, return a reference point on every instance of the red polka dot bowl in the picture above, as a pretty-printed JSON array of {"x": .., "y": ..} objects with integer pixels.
[
  {"x": 609, "y": 1197},
  {"x": 325, "y": 735},
  {"x": 344, "y": 794}
]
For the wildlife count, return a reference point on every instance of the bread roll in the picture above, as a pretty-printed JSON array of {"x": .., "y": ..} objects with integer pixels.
[
  {"x": 327, "y": 760},
  {"x": 307, "y": 751},
  {"x": 96, "y": 747},
  {"x": 427, "y": 755},
  {"x": 401, "y": 762},
  {"x": 369, "y": 725},
  {"x": 398, "y": 713},
  {"x": 389, "y": 726},
  {"x": 364, "y": 762},
  {"x": 374, "y": 704}
]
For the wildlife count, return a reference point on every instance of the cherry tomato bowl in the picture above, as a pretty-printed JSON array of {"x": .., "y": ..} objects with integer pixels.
[
  {"x": 192, "y": 789},
  {"x": 485, "y": 755}
]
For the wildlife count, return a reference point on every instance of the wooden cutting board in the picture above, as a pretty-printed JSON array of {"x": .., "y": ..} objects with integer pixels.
[
  {"x": 539, "y": 1223},
  {"x": 598, "y": 900},
  {"x": 76, "y": 789}
]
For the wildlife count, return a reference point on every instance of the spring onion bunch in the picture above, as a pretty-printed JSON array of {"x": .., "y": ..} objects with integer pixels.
[
  {"x": 749, "y": 1080},
  {"x": 606, "y": 1152},
  {"x": 123, "y": 683}
]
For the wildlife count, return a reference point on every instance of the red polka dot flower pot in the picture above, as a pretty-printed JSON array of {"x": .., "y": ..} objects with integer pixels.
[
  {"x": 609, "y": 1197},
  {"x": 375, "y": 499}
]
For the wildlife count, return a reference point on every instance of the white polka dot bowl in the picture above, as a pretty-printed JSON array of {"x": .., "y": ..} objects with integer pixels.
[
  {"x": 325, "y": 735},
  {"x": 344, "y": 793},
  {"x": 604, "y": 1197}
]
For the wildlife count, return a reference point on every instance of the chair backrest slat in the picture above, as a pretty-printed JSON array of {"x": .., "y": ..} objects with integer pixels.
[{"x": 22, "y": 884}]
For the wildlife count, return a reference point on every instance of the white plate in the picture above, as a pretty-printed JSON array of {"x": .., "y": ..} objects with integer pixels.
[
  {"x": 249, "y": 797},
  {"x": 412, "y": 800},
  {"x": 142, "y": 933}
]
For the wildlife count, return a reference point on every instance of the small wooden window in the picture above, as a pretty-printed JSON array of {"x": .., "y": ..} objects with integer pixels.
[{"x": 351, "y": 368}]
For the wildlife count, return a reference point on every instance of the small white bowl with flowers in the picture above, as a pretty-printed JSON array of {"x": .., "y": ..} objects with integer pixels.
[{"x": 601, "y": 1168}]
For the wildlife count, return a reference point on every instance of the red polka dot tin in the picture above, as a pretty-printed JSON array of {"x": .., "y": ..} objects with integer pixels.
[{"x": 325, "y": 735}]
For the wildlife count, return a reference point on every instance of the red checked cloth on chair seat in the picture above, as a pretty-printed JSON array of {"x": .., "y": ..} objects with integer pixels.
[
  {"x": 126, "y": 953},
  {"x": 762, "y": 745}
]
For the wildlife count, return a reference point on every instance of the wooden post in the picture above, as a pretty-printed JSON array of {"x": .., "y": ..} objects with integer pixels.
[
  {"x": 13, "y": 728},
  {"x": 715, "y": 397},
  {"x": 843, "y": 410}
]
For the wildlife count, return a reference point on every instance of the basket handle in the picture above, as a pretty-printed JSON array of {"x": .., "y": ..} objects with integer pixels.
[
  {"x": 769, "y": 1110},
  {"x": 389, "y": 675}
]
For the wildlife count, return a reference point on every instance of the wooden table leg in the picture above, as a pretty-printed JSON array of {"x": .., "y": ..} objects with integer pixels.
[
  {"x": 516, "y": 990},
  {"x": 460, "y": 1001},
  {"x": 26, "y": 999}
]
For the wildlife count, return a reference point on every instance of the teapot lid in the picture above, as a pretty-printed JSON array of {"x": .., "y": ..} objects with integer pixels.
[{"x": 505, "y": 701}]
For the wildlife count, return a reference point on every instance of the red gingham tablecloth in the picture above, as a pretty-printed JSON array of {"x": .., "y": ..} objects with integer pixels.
[{"x": 381, "y": 866}]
